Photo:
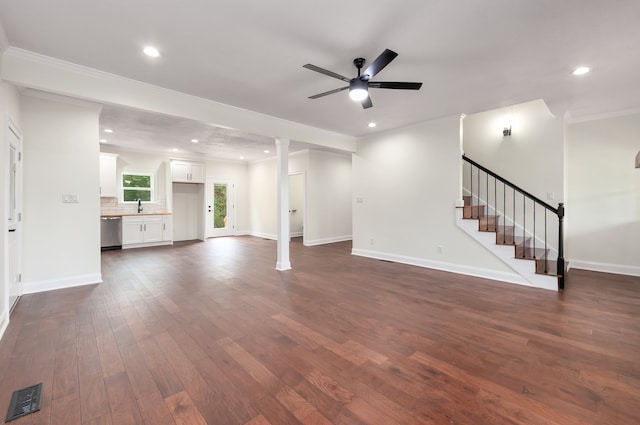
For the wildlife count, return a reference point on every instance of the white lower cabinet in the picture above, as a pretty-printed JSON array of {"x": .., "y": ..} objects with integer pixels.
[{"x": 148, "y": 230}]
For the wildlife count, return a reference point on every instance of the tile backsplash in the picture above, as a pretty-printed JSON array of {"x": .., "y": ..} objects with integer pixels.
[{"x": 111, "y": 206}]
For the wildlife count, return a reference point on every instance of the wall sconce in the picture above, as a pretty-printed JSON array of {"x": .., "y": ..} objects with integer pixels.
[
  {"x": 506, "y": 131},
  {"x": 638, "y": 160}
]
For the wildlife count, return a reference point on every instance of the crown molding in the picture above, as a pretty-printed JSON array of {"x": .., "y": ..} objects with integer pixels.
[{"x": 604, "y": 116}]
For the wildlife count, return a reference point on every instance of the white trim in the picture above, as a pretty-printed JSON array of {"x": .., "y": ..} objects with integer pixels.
[
  {"x": 263, "y": 235},
  {"x": 297, "y": 234},
  {"x": 147, "y": 244},
  {"x": 604, "y": 116},
  {"x": 283, "y": 266},
  {"x": 440, "y": 265},
  {"x": 61, "y": 283},
  {"x": 4, "y": 323},
  {"x": 605, "y": 267},
  {"x": 328, "y": 240}
]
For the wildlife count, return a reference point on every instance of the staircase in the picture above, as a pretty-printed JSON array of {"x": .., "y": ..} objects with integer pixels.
[{"x": 508, "y": 226}]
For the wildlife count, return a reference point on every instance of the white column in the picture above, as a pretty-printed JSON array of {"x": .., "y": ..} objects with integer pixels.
[{"x": 282, "y": 148}]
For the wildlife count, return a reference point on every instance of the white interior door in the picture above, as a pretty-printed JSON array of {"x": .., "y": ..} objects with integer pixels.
[
  {"x": 13, "y": 209},
  {"x": 296, "y": 205},
  {"x": 220, "y": 208}
]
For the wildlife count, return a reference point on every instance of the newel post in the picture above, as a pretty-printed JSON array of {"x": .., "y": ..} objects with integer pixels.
[{"x": 561, "y": 271}]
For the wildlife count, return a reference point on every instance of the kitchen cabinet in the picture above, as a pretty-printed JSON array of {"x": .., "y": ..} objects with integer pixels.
[
  {"x": 146, "y": 230},
  {"x": 187, "y": 172},
  {"x": 108, "y": 175}
]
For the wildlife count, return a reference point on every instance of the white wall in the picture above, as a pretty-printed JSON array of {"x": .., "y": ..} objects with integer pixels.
[
  {"x": 239, "y": 174},
  {"x": 405, "y": 185},
  {"x": 328, "y": 193},
  {"x": 329, "y": 184},
  {"x": 9, "y": 110},
  {"x": 603, "y": 195},
  {"x": 532, "y": 157},
  {"x": 61, "y": 156},
  {"x": 262, "y": 199}
]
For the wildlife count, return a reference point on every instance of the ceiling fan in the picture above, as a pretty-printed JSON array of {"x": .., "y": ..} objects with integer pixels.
[{"x": 359, "y": 86}]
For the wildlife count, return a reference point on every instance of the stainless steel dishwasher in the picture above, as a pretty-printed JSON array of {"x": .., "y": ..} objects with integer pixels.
[{"x": 110, "y": 233}]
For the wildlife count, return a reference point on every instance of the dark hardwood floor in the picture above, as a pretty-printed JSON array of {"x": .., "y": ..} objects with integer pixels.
[{"x": 210, "y": 333}]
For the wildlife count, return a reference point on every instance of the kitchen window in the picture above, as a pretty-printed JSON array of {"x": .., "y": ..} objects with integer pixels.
[{"x": 137, "y": 186}]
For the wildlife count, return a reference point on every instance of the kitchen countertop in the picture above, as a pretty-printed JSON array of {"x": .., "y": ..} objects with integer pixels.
[{"x": 133, "y": 214}]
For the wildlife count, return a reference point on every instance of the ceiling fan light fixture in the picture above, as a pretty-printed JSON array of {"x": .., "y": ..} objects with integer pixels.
[{"x": 358, "y": 90}]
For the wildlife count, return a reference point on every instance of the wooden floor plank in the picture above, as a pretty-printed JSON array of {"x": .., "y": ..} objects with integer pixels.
[
  {"x": 183, "y": 410},
  {"x": 209, "y": 332}
]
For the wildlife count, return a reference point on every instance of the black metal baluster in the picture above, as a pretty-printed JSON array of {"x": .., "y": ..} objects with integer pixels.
[
  {"x": 486, "y": 218},
  {"x": 471, "y": 197},
  {"x": 478, "y": 210},
  {"x": 534, "y": 229},
  {"x": 495, "y": 204},
  {"x": 524, "y": 224},
  {"x": 504, "y": 212},
  {"x": 514, "y": 216},
  {"x": 546, "y": 258}
]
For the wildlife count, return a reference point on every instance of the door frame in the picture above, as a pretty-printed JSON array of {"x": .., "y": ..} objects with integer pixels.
[
  {"x": 230, "y": 230},
  {"x": 11, "y": 128}
]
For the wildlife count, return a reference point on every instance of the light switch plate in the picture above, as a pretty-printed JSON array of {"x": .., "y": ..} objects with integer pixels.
[{"x": 70, "y": 198}]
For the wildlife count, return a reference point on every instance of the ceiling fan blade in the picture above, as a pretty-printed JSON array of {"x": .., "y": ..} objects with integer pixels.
[
  {"x": 381, "y": 61},
  {"x": 366, "y": 103},
  {"x": 402, "y": 85},
  {"x": 315, "y": 96},
  {"x": 326, "y": 72}
]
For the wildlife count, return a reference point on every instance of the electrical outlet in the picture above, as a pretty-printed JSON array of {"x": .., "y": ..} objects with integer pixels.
[
  {"x": 439, "y": 249},
  {"x": 551, "y": 196},
  {"x": 371, "y": 241}
]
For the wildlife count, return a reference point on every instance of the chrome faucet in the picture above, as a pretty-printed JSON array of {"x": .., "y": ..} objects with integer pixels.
[{"x": 139, "y": 206}]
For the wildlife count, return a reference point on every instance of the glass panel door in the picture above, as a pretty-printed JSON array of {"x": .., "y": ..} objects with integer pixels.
[{"x": 220, "y": 208}]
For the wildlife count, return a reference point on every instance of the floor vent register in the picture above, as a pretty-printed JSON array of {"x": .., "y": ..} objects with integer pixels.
[{"x": 25, "y": 401}]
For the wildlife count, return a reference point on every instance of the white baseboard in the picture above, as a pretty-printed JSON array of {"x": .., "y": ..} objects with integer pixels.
[
  {"x": 327, "y": 240},
  {"x": 61, "y": 283},
  {"x": 444, "y": 266},
  {"x": 296, "y": 234},
  {"x": 263, "y": 235},
  {"x": 4, "y": 322},
  {"x": 605, "y": 267}
]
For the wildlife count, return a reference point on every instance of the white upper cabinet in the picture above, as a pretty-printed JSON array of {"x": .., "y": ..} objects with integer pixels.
[
  {"x": 108, "y": 175},
  {"x": 187, "y": 172}
]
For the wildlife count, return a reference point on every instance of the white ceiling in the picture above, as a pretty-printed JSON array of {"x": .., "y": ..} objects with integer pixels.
[
  {"x": 171, "y": 136},
  {"x": 471, "y": 55}
]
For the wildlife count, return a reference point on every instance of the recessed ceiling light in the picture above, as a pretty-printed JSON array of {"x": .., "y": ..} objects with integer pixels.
[
  {"x": 103, "y": 140},
  {"x": 581, "y": 70},
  {"x": 372, "y": 124},
  {"x": 108, "y": 130},
  {"x": 194, "y": 140},
  {"x": 266, "y": 151},
  {"x": 242, "y": 157},
  {"x": 175, "y": 149},
  {"x": 151, "y": 51}
]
